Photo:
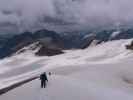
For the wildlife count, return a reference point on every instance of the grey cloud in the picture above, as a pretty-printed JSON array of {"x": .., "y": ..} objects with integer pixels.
[{"x": 63, "y": 15}]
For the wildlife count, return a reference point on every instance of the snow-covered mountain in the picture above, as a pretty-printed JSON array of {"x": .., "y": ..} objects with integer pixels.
[
  {"x": 73, "y": 40},
  {"x": 17, "y": 42},
  {"x": 102, "y": 72}
]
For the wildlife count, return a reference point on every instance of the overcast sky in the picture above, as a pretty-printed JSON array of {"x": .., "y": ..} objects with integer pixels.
[{"x": 63, "y": 15}]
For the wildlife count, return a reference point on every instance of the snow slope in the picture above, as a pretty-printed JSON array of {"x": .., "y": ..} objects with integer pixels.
[
  {"x": 62, "y": 88},
  {"x": 103, "y": 72}
]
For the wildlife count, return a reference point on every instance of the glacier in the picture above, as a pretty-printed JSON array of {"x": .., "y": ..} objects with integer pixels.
[{"x": 102, "y": 72}]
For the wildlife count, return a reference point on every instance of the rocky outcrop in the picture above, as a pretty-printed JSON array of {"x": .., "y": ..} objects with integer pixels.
[
  {"x": 130, "y": 46},
  {"x": 46, "y": 51}
]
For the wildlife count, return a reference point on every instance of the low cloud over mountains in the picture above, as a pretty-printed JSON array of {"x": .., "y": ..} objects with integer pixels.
[{"x": 63, "y": 15}]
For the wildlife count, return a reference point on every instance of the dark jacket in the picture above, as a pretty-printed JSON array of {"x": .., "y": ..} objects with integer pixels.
[{"x": 43, "y": 77}]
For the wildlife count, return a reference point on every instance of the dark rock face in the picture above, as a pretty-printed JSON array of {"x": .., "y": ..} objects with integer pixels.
[
  {"x": 4, "y": 38},
  {"x": 130, "y": 46},
  {"x": 45, "y": 51},
  {"x": 124, "y": 34},
  {"x": 15, "y": 43}
]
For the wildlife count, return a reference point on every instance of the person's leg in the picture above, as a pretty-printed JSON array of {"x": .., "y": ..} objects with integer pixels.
[
  {"x": 44, "y": 84},
  {"x": 41, "y": 83}
]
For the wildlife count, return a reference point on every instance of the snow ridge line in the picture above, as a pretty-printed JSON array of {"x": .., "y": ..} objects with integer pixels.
[{"x": 13, "y": 86}]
